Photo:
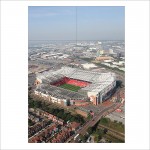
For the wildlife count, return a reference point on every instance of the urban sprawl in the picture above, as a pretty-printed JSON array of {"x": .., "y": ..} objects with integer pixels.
[{"x": 76, "y": 92}]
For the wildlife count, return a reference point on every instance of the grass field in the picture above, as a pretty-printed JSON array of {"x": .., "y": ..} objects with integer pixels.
[{"x": 70, "y": 87}]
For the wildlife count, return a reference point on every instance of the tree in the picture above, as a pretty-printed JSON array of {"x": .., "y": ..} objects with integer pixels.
[
  {"x": 104, "y": 121},
  {"x": 79, "y": 118},
  {"x": 64, "y": 116},
  {"x": 37, "y": 104},
  {"x": 115, "y": 121},
  {"x": 72, "y": 119},
  {"x": 83, "y": 138},
  {"x": 50, "y": 110},
  {"x": 90, "y": 130},
  {"x": 49, "y": 122},
  {"x": 31, "y": 104},
  {"x": 97, "y": 138},
  {"x": 60, "y": 114},
  {"x": 44, "y": 106},
  {"x": 120, "y": 123},
  {"x": 29, "y": 97},
  {"x": 30, "y": 122},
  {"x": 68, "y": 117},
  {"x": 118, "y": 83},
  {"x": 105, "y": 130},
  {"x": 89, "y": 117}
]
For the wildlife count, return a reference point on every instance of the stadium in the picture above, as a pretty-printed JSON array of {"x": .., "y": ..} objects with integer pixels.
[{"x": 69, "y": 86}]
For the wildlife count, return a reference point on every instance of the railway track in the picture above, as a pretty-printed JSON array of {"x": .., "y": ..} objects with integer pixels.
[
  {"x": 92, "y": 122},
  {"x": 113, "y": 132}
]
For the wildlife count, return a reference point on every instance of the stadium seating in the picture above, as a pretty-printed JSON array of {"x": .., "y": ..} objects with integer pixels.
[{"x": 66, "y": 80}]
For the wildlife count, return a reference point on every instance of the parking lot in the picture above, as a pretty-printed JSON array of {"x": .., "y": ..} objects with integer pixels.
[
  {"x": 118, "y": 115},
  {"x": 94, "y": 108}
]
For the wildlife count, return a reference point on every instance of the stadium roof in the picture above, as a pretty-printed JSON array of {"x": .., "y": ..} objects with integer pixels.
[
  {"x": 76, "y": 74},
  {"x": 99, "y": 81}
]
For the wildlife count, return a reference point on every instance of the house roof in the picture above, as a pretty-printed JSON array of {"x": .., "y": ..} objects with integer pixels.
[{"x": 74, "y": 125}]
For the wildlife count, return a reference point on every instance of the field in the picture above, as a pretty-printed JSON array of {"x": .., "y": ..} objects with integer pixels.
[{"x": 70, "y": 87}]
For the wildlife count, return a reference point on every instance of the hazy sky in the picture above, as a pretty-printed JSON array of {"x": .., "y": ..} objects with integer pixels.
[{"x": 83, "y": 23}]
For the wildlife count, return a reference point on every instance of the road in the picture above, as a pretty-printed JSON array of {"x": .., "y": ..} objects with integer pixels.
[{"x": 95, "y": 119}]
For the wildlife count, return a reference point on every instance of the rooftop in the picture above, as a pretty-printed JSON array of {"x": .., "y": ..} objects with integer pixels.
[
  {"x": 99, "y": 82},
  {"x": 74, "y": 125}
]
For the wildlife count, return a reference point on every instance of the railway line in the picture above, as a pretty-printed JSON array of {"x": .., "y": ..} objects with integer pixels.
[{"x": 113, "y": 132}]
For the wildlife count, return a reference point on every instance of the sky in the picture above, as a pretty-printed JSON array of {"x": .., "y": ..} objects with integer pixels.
[{"x": 76, "y": 23}]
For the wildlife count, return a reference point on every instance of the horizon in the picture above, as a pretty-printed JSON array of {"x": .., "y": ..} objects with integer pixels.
[{"x": 82, "y": 23}]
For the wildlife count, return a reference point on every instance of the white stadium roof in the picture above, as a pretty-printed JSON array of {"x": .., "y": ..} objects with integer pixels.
[{"x": 99, "y": 81}]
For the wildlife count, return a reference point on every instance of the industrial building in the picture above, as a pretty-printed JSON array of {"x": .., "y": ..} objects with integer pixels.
[{"x": 92, "y": 86}]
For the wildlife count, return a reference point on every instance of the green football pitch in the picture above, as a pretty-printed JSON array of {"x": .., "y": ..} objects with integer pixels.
[{"x": 70, "y": 87}]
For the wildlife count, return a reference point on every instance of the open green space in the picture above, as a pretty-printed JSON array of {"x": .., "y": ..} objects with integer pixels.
[
  {"x": 110, "y": 138},
  {"x": 118, "y": 126},
  {"x": 70, "y": 87},
  {"x": 103, "y": 133}
]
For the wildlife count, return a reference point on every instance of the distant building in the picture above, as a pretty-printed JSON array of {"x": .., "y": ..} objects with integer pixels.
[
  {"x": 99, "y": 42},
  {"x": 111, "y": 51},
  {"x": 102, "y": 58},
  {"x": 89, "y": 65},
  {"x": 100, "y": 52},
  {"x": 123, "y": 69}
]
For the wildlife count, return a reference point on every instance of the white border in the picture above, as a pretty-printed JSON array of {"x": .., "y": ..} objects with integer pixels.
[{"x": 15, "y": 69}]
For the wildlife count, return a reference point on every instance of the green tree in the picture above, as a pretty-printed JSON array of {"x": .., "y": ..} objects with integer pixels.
[
  {"x": 83, "y": 138},
  {"x": 60, "y": 114},
  {"x": 31, "y": 104},
  {"x": 37, "y": 104},
  {"x": 89, "y": 117},
  {"x": 105, "y": 130},
  {"x": 90, "y": 130},
  {"x": 104, "y": 121},
  {"x": 97, "y": 138}
]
